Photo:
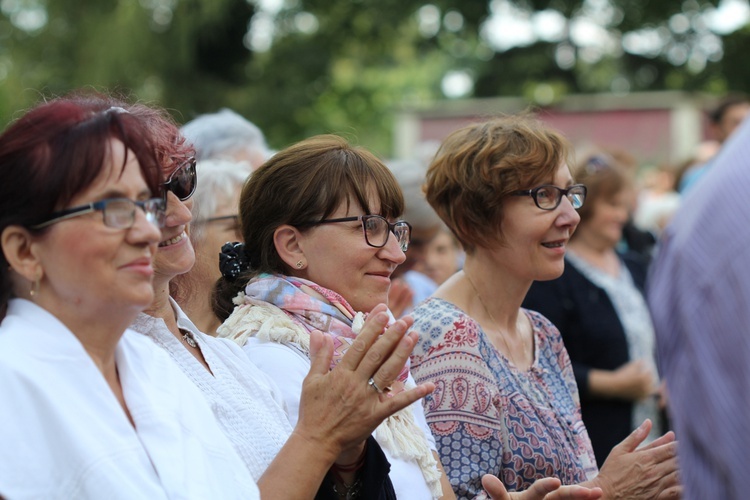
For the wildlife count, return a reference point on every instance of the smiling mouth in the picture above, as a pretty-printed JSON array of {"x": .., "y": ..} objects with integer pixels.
[
  {"x": 381, "y": 274},
  {"x": 555, "y": 244},
  {"x": 172, "y": 241}
]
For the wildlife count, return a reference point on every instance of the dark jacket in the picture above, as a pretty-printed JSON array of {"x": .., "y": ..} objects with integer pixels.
[
  {"x": 595, "y": 338},
  {"x": 376, "y": 484}
]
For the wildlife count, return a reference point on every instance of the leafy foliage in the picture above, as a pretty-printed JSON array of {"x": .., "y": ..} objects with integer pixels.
[{"x": 339, "y": 66}]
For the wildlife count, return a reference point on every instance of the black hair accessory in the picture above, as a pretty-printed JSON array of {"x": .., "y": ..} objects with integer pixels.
[{"x": 232, "y": 260}]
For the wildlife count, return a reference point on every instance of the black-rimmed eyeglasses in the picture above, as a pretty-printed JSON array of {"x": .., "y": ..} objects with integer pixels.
[
  {"x": 183, "y": 181},
  {"x": 548, "y": 197},
  {"x": 118, "y": 213},
  {"x": 376, "y": 229}
]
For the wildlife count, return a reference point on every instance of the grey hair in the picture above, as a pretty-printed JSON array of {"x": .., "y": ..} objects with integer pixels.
[
  {"x": 223, "y": 134},
  {"x": 217, "y": 180},
  {"x": 410, "y": 175}
]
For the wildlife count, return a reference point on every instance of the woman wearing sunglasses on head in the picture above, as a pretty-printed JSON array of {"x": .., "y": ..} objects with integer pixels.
[
  {"x": 91, "y": 409},
  {"x": 506, "y": 401},
  {"x": 215, "y": 222},
  {"x": 245, "y": 401}
]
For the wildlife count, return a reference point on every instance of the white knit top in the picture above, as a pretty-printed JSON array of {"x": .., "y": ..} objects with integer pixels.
[{"x": 246, "y": 403}]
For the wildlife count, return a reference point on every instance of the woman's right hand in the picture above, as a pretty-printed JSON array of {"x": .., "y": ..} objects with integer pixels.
[
  {"x": 647, "y": 472},
  {"x": 338, "y": 408}
]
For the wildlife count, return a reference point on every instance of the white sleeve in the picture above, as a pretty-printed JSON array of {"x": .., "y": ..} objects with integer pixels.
[{"x": 285, "y": 367}]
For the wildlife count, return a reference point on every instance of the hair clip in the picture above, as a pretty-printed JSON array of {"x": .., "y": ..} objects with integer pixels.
[
  {"x": 233, "y": 261},
  {"x": 597, "y": 163}
]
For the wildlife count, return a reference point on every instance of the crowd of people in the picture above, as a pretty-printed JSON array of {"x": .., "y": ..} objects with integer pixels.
[{"x": 189, "y": 314}]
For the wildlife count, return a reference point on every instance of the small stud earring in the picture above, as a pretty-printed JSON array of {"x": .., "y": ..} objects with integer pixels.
[{"x": 299, "y": 264}]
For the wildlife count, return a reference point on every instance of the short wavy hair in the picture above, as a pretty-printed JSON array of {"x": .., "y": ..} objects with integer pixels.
[{"x": 478, "y": 166}]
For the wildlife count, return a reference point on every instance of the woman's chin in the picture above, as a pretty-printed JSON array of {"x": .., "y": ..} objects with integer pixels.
[
  {"x": 550, "y": 274},
  {"x": 140, "y": 298}
]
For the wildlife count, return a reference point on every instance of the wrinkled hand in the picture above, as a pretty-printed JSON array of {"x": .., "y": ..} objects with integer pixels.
[
  {"x": 338, "y": 409},
  {"x": 647, "y": 472},
  {"x": 543, "y": 489},
  {"x": 634, "y": 380},
  {"x": 400, "y": 297}
]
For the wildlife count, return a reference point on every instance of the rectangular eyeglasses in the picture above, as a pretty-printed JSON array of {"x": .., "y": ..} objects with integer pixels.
[
  {"x": 118, "y": 213},
  {"x": 376, "y": 229}
]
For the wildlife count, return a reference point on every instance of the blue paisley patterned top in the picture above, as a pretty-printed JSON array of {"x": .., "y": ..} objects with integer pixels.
[{"x": 489, "y": 417}]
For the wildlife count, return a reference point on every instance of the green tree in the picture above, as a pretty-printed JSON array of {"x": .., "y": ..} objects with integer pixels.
[{"x": 344, "y": 66}]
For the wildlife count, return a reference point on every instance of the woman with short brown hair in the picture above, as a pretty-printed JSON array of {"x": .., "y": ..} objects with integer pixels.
[{"x": 506, "y": 401}]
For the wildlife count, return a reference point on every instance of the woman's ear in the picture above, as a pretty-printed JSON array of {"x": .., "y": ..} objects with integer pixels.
[
  {"x": 290, "y": 247},
  {"x": 18, "y": 247}
]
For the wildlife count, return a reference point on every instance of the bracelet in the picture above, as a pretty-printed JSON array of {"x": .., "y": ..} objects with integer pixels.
[{"x": 355, "y": 466}]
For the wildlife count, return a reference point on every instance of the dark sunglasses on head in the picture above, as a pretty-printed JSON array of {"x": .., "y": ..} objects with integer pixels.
[{"x": 183, "y": 181}]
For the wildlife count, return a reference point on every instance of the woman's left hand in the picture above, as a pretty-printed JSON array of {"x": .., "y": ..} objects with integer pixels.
[
  {"x": 340, "y": 408},
  {"x": 650, "y": 471},
  {"x": 548, "y": 488}
]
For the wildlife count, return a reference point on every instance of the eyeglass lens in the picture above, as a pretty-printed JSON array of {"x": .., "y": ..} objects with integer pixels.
[
  {"x": 549, "y": 197},
  {"x": 120, "y": 213},
  {"x": 377, "y": 231},
  {"x": 182, "y": 182}
]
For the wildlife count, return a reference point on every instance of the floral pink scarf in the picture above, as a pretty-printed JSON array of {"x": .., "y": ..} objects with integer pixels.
[{"x": 315, "y": 308}]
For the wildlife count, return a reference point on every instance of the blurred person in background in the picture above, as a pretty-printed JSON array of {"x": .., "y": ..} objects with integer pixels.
[
  {"x": 657, "y": 199},
  {"x": 443, "y": 256},
  {"x": 703, "y": 153},
  {"x": 506, "y": 401},
  {"x": 599, "y": 308},
  {"x": 634, "y": 239},
  {"x": 425, "y": 225},
  {"x": 214, "y": 222},
  {"x": 228, "y": 136},
  {"x": 91, "y": 409},
  {"x": 723, "y": 121}
]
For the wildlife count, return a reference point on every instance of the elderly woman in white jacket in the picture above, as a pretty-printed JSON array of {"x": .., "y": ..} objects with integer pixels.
[{"x": 89, "y": 408}]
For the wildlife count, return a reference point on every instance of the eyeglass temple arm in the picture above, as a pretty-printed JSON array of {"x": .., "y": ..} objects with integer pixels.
[{"x": 66, "y": 214}]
